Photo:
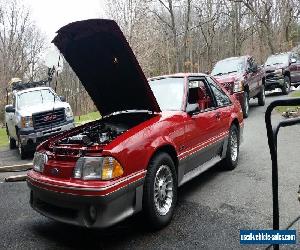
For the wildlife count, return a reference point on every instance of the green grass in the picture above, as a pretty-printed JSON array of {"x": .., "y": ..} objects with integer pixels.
[
  {"x": 282, "y": 109},
  {"x": 87, "y": 118},
  {"x": 3, "y": 138}
]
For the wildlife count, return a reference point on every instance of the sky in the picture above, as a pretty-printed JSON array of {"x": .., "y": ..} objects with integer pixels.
[{"x": 51, "y": 15}]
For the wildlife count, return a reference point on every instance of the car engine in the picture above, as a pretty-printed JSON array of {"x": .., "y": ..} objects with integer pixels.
[{"x": 102, "y": 133}]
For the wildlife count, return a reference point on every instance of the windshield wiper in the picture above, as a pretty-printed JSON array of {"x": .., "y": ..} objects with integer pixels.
[
  {"x": 234, "y": 71},
  {"x": 130, "y": 111},
  {"x": 226, "y": 73}
]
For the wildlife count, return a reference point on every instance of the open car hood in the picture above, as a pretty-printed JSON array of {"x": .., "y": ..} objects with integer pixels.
[{"x": 98, "y": 52}]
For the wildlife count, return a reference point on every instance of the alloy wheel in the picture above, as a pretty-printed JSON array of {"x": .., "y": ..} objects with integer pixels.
[
  {"x": 234, "y": 145},
  {"x": 163, "y": 190},
  {"x": 264, "y": 95},
  {"x": 287, "y": 86},
  {"x": 246, "y": 103}
]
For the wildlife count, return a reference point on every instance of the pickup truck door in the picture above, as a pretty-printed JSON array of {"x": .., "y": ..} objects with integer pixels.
[
  {"x": 293, "y": 68},
  {"x": 254, "y": 79},
  {"x": 10, "y": 120},
  {"x": 297, "y": 72}
]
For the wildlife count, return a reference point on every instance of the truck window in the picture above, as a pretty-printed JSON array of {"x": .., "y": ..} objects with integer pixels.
[{"x": 36, "y": 97}]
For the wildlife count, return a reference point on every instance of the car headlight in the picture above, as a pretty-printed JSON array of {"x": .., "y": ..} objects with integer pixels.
[
  {"x": 238, "y": 86},
  {"x": 69, "y": 112},
  {"x": 97, "y": 168},
  {"x": 39, "y": 161},
  {"x": 26, "y": 121},
  {"x": 278, "y": 71}
]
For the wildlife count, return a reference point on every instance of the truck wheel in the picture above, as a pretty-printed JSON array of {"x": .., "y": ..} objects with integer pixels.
[
  {"x": 22, "y": 150},
  {"x": 160, "y": 191},
  {"x": 12, "y": 143},
  {"x": 262, "y": 96},
  {"x": 245, "y": 107},
  {"x": 286, "y": 86},
  {"x": 233, "y": 149}
]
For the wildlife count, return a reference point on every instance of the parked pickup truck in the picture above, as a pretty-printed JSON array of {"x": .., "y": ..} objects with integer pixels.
[
  {"x": 243, "y": 78},
  {"x": 35, "y": 114},
  {"x": 282, "y": 71}
]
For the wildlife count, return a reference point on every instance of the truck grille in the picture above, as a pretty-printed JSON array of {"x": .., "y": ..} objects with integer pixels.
[{"x": 48, "y": 118}]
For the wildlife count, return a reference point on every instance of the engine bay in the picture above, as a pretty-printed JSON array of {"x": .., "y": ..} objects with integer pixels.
[
  {"x": 102, "y": 133},
  {"x": 105, "y": 130}
]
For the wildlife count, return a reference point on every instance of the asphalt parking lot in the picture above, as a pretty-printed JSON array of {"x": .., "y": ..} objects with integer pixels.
[{"x": 211, "y": 209}]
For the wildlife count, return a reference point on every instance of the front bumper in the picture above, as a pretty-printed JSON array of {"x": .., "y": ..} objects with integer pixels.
[
  {"x": 240, "y": 97},
  {"x": 108, "y": 209},
  {"x": 34, "y": 137},
  {"x": 274, "y": 81}
]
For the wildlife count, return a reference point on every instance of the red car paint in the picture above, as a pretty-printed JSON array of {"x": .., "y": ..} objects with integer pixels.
[{"x": 179, "y": 133}]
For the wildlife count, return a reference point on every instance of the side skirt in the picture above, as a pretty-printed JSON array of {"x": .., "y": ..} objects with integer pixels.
[{"x": 202, "y": 168}]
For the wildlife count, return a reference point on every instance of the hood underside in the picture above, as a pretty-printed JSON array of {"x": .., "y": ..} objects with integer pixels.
[{"x": 102, "y": 59}]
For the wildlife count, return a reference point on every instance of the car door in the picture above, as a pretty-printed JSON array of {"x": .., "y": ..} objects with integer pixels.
[
  {"x": 293, "y": 68},
  {"x": 202, "y": 128},
  {"x": 10, "y": 117},
  {"x": 223, "y": 106},
  {"x": 253, "y": 77},
  {"x": 297, "y": 73}
]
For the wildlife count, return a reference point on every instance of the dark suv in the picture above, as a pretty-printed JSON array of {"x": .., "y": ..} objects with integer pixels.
[{"x": 282, "y": 71}]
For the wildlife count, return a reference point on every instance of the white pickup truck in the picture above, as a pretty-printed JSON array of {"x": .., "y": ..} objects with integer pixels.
[{"x": 35, "y": 114}]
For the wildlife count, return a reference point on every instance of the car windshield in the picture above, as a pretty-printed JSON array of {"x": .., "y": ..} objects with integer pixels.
[
  {"x": 168, "y": 92},
  {"x": 36, "y": 97},
  {"x": 277, "y": 59},
  {"x": 228, "y": 66}
]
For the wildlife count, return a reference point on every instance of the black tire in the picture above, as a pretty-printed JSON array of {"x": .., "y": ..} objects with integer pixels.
[
  {"x": 12, "y": 143},
  {"x": 262, "y": 96},
  {"x": 230, "y": 161},
  {"x": 286, "y": 86},
  {"x": 245, "y": 107},
  {"x": 155, "y": 217},
  {"x": 22, "y": 150}
]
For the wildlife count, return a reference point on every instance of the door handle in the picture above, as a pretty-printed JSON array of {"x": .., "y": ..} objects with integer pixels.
[{"x": 218, "y": 115}]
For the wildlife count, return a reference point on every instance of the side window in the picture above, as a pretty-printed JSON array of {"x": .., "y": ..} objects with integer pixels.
[
  {"x": 199, "y": 95},
  {"x": 221, "y": 98},
  {"x": 249, "y": 64}
]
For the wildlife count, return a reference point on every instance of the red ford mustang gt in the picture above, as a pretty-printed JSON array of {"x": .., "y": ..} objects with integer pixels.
[{"x": 154, "y": 135}]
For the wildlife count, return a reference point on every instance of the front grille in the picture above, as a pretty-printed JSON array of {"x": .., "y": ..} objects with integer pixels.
[
  {"x": 273, "y": 77},
  {"x": 48, "y": 118}
]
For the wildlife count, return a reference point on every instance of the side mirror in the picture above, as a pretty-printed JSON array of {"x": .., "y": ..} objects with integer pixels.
[
  {"x": 207, "y": 72},
  {"x": 191, "y": 109},
  {"x": 10, "y": 109},
  {"x": 62, "y": 98},
  {"x": 293, "y": 60},
  {"x": 254, "y": 68}
]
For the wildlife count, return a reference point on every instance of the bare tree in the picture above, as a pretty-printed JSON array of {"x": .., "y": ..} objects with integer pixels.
[{"x": 21, "y": 43}]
